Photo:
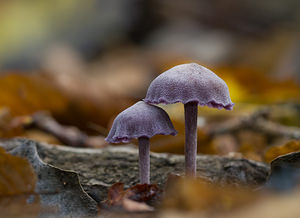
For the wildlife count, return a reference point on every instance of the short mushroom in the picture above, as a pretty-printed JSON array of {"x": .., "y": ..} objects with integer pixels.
[
  {"x": 192, "y": 85},
  {"x": 141, "y": 121}
]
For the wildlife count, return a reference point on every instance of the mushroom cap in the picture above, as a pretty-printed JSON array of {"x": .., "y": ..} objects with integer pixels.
[
  {"x": 140, "y": 120},
  {"x": 189, "y": 83}
]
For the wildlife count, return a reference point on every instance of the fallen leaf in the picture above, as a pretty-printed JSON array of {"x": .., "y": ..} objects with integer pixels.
[
  {"x": 271, "y": 205},
  {"x": 143, "y": 193},
  {"x": 225, "y": 144},
  {"x": 188, "y": 194},
  {"x": 250, "y": 85},
  {"x": 133, "y": 198},
  {"x": 252, "y": 144},
  {"x": 17, "y": 185},
  {"x": 133, "y": 206},
  {"x": 275, "y": 151},
  {"x": 115, "y": 194},
  {"x": 268, "y": 205},
  {"x": 25, "y": 94},
  {"x": 59, "y": 190},
  {"x": 16, "y": 175}
]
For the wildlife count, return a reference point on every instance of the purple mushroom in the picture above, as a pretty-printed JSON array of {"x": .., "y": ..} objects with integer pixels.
[
  {"x": 141, "y": 121},
  {"x": 192, "y": 85}
]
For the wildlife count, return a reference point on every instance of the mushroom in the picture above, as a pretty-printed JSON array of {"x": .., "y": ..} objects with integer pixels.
[
  {"x": 141, "y": 121},
  {"x": 192, "y": 85}
]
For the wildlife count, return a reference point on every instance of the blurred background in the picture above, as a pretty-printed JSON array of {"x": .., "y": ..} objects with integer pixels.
[{"x": 83, "y": 62}]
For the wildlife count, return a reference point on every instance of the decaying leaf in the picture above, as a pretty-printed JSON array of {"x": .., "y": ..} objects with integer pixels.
[
  {"x": 114, "y": 196},
  {"x": 57, "y": 189},
  {"x": 198, "y": 195},
  {"x": 25, "y": 94},
  {"x": 42, "y": 127},
  {"x": 268, "y": 205},
  {"x": 132, "y": 199},
  {"x": 16, "y": 175},
  {"x": 17, "y": 185},
  {"x": 8, "y": 126},
  {"x": 275, "y": 151},
  {"x": 271, "y": 205},
  {"x": 255, "y": 86},
  {"x": 134, "y": 206},
  {"x": 143, "y": 193}
]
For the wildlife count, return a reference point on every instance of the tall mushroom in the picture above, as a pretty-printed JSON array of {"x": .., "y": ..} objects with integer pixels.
[
  {"x": 141, "y": 121},
  {"x": 192, "y": 85}
]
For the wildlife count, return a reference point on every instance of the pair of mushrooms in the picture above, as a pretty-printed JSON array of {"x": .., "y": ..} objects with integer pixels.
[{"x": 190, "y": 84}]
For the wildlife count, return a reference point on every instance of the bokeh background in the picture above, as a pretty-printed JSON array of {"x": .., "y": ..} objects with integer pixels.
[{"x": 85, "y": 61}]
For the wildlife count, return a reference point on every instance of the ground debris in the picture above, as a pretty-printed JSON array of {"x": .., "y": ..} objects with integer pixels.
[
  {"x": 285, "y": 172},
  {"x": 66, "y": 134},
  {"x": 59, "y": 190},
  {"x": 133, "y": 199},
  {"x": 98, "y": 169},
  {"x": 259, "y": 122}
]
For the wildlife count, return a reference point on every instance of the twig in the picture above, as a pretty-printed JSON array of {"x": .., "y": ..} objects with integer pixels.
[
  {"x": 257, "y": 122},
  {"x": 66, "y": 134}
]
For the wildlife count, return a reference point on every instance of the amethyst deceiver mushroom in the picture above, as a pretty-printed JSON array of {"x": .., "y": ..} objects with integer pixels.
[
  {"x": 192, "y": 85},
  {"x": 141, "y": 121}
]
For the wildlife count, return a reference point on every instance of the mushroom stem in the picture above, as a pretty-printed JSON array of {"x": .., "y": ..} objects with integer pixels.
[
  {"x": 144, "y": 160},
  {"x": 190, "y": 151}
]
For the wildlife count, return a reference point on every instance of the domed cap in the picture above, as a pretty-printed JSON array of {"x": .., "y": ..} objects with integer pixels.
[
  {"x": 189, "y": 83},
  {"x": 140, "y": 120}
]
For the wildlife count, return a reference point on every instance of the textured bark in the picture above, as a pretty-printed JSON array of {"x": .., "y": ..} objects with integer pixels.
[
  {"x": 285, "y": 172},
  {"x": 56, "y": 189},
  {"x": 98, "y": 169}
]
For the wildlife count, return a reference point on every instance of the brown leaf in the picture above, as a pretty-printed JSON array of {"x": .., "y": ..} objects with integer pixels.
[
  {"x": 115, "y": 194},
  {"x": 25, "y": 94},
  {"x": 17, "y": 184},
  {"x": 132, "y": 199},
  {"x": 197, "y": 195},
  {"x": 10, "y": 127},
  {"x": 16, "y": 175},
  {"x": 250, "y": 85},
  {"x": 133, "y": 206},
  {"x": 142, "y": 192},
  {"x": 276, "y": 151},
  {"x": 18, "y": 206}
]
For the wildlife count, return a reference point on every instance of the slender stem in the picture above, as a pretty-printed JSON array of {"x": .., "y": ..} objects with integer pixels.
[
  {"x": 144, "y": 160},
  {"x": 190, "y": 151}
]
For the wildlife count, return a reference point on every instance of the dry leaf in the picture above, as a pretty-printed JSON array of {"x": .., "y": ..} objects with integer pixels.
[
  {"x": 132, "y": 199},
  {"x": 133, "y": 206},
  {"x": 276, "y": 151},
  {"x": 25, "y": 94},
  {"x": 16, "y": 175},
  {"x": 198, "y": 195},
  {"x": 17, "y": 185}
]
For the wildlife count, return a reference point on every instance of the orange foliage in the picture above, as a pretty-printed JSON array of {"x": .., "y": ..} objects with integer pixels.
[
  {"x": 197, "y": 195},
  {"x": 16, "y": 175},
  {"x": 276, "y": 151},
  {"x": 258, "y": 86},
  {"x": 25, "y": 94}
]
